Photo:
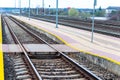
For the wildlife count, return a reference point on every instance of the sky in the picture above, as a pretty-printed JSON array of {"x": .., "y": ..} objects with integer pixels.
[{"x": 62, "y": 3}]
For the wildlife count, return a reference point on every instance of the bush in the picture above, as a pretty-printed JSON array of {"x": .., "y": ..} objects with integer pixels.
[
  {"x": 73, "y": 12},
  {"x": 85, "y": 15}
]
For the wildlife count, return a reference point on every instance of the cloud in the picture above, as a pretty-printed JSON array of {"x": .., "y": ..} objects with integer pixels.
[{"x": 62, "y": 3}]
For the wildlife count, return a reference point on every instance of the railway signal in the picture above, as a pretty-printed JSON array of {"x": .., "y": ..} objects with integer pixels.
[{"x": 95, "y": 3}]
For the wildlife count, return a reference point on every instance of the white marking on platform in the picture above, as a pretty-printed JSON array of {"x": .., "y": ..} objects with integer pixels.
[{"x": 37, "y": 48}]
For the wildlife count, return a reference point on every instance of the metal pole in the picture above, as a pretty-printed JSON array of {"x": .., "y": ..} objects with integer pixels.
[
  {"x": 56, "y": 13},
  {"x": 29, "y": 9},
  {"x": 20, "y": 6},
  {"x": 43, "y": 7},
  {"x": 15, "y": 3},
  {"x": 37, "y": 11},
  {"x": 49, "y": 10},
  {"x": 93, "y": 21}
]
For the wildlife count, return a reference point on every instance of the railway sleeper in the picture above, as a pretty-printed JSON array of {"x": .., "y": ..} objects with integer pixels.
[
  {"x": 64, "y": 69},
  {"x": 22, "y": 73},
  {"x": 57, "y": 73},
  {"x": 47, "y": 60},
  {"x": 67, "y": 79},
  {"x": 50, "y": 64},
  {"x": 53, "y": 66},
  {"x": 19, "y": 66},
  {"x": 24, "y": 77},
  {"x": 76, "y": 76}
]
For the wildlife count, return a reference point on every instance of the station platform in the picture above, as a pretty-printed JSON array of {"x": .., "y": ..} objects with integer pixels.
[{"x": 104, "y": 46}]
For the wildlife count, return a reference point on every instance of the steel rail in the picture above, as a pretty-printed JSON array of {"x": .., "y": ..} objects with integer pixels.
[
  {"x": 79, "y": 67},
  {"x": 76, "y": 25},
  {"x": 106, "y": 22},
  {"x": 24, "y": 51}
]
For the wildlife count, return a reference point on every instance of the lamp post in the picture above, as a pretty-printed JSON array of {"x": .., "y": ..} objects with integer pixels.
[
  {"x": 15, "y": 3},
  {"x": 49, "y": 10},
  {"x": 43, "y": 7},
  {"x": 95, "y": 2},
  {"x": 56, "y": 13},
  {"x": 29, "y": 9},
  {"x": 20, "y": 6},
  {"x": 37, "y": 10}
]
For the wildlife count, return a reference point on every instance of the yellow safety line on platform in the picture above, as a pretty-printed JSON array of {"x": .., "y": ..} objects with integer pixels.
[
  {"x": 1, "y": 54},
  {"x": 83, "y": 51},
  {"x": 109, "y": 59}
]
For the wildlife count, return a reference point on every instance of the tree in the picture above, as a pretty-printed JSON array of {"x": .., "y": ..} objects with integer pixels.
[
  {"x": 100, "y": 8},
  {"x": 100, "y": 13},
  {"x": 85, "y": 15},
  {"x": 73, "y": 12}
]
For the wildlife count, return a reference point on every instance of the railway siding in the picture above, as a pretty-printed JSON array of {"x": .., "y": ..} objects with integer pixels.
[{"x": 1, "y": 54}]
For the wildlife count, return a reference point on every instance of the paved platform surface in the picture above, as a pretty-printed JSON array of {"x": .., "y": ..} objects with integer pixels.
[
  {"x": 8, "y": 48},
  {"x": 1, "y": 54},
  {"x": 106, "y": 47}
]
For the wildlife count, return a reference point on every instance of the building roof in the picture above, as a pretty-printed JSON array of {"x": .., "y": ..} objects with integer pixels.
[{"x": 113, "y": 7}]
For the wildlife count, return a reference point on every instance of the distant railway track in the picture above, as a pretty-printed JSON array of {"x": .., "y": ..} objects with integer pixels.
[
  {"x": 52, "y": 66},
  {"x": 111, "y": 28}
]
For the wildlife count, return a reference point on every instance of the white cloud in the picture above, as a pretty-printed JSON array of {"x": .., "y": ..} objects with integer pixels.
[{"x": 62, "y": 3}]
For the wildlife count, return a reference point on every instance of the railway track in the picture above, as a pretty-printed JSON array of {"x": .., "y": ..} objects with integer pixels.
[
  {"x": 56, "y": 69},
  {"x": 106, "y": 27},
  {"x": 45, "y": 66},
  {"x": 24, "y": 68}
]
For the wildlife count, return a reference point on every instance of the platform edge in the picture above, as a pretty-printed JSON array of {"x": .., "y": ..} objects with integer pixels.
[
  {"x": 1, "y": 53},
  {"x": 90, "y": 53}
]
